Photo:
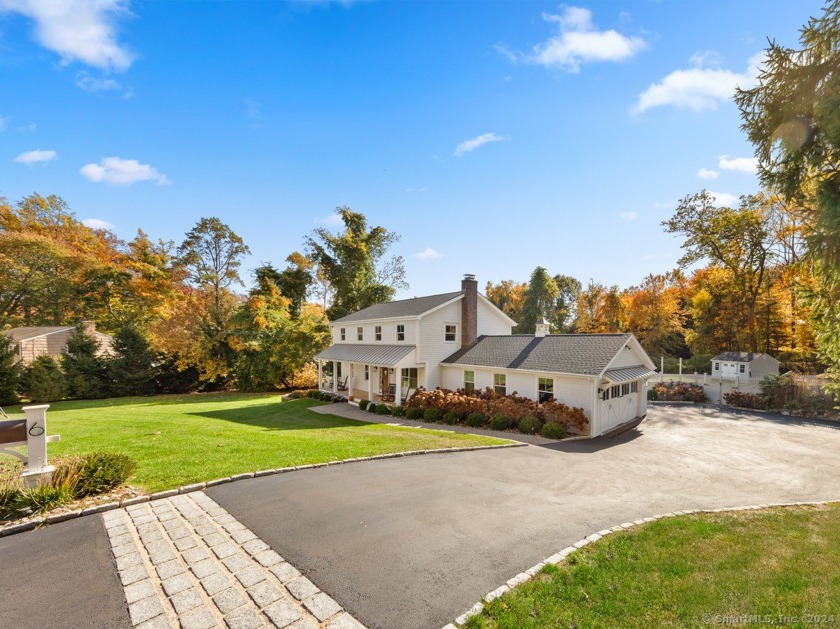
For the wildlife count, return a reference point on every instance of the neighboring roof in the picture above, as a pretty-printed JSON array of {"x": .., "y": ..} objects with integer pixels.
[
  {"x": 403, "y": 308},
  {"x": 584, "y": 354},
  {"x": 16, "y": 335},
  {"x": 388, "y": 355},
  {"x": 626, "y": 374},
  {"x": 742, "y": 357}
]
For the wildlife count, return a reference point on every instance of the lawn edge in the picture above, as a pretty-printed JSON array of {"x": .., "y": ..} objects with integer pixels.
[
  {"x": 560, "y": 556},
  {"x": 28, "y": 525}
]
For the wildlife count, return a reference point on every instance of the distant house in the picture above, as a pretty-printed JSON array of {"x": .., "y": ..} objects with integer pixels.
[
  {"x": 30, "y": 342},
  {"x": 461, "y": 340},
  {"x": 732, "y": 365}
]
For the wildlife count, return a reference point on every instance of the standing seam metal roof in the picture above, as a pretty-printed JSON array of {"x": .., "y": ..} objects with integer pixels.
[{"x": 369, "y": 354}]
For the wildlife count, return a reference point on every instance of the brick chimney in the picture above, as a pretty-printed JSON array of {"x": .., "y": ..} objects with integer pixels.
[
  {"x": 89, "y": 327},
  {"x": 469, "y": 310}
]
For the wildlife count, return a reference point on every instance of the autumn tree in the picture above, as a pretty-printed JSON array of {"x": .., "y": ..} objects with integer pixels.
[
  {"x": 540, "y": 298},
  {"x": 564, "y": 309},
  {"x": 653, "y": 315},
  {"x": 600, "y": 309},
  {"x": 352, "y": 264},
  {"x": 508, "y": 296}
]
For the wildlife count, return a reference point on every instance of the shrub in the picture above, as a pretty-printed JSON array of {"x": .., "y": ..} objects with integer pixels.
[
  {"x": 679, "y": 391},
  {"x": 294, "y": 395},
  {"x": 530, "y": 425},
  {"x": 500, "y": 422},
  {"x": 745, "y": 400},
  {"x": 652, "y": 395},
  {"x": 552, "y": 430},
  {"x": 383, "y": 409},
  {"x": 100, "y": 472},
  {"x": 43, "y": 381},
  {"x": 432, "y": 415},
  {"x": 85, "y": 371},
  {"x": 413, "y": 413},
  {"x": 450, "y": 419},
  {"x": 476, "y": 420},
  {"x": 9, "y": 375},
  {"x": 398, "y": 411},
  {"x": 363, "y": 404}
]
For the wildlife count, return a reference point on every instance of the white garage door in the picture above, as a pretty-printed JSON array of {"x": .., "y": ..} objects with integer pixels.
[
  {"x": 619, "y": 408},
  {"x": 729, "y": 370}
]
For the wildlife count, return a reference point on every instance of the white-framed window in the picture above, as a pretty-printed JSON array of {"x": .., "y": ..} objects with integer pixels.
[
  {"x": 367, "y": 373},
  {"x": 605, "y": 394},
  {"x": 500, "y": 383},
  {"x": 338, "y": 370},
  {"x": 360, "y": 333},
  {"x": 377, "y": 333},
  {"x": 469, "y": 380},
  {"x": 545, "y": 389},
  {"x": 343, "y": 334},
  {"x": 450, "y": 332},
  {"x": 634, "y": 386},
  {"x": 717, "y": 366},
  {"x": 743, "y": 368},
  {"x": 409, "y": 378},
  {"x": 625, "y": 388},
  {"x": 400, "y": 332},
  {"x": 615, "y": 391}
]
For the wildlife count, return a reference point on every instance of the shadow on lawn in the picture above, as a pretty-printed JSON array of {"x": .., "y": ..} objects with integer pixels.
[{"x": 293, "y": 415}]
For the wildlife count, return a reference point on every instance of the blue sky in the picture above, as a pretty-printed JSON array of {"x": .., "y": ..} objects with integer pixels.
[{"x": 493, "y": 137}]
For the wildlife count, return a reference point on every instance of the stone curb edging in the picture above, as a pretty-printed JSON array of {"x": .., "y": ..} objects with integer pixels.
[
  {"x": 560, "y": 556},
  {"x": 21, "y": 527}
]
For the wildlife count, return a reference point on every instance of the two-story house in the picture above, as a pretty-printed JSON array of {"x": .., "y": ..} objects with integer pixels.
[{"x": 461, "y": 340}]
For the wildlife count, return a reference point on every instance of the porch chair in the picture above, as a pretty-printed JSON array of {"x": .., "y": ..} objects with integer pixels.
[
  {"x": 406, "y": 396},
  {"x": 391, "y": 395},
  {"x": 342, "y": 384}
]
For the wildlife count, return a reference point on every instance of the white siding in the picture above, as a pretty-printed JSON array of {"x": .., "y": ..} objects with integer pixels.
[
  {"x": 431, "y": 346},
  {"x": 490, "y": 323},
  {"x": 626, "y": 358},
  {"x": 389, "y": 332}
]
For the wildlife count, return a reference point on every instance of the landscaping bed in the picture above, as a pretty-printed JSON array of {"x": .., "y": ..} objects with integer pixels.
[{"x": 776, "y": 564}]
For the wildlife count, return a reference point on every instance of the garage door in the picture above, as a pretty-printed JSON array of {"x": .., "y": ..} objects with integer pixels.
[{"x": 618, "y": 410}]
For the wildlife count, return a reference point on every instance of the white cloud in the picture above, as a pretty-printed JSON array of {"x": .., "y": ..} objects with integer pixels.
[
  {"x": 78, "y": 30},
  {"x": 333, "y": 220},
  {"x": 91, "y": 84},
  {"x": 122, "y": 172},
  {"x": 708, "y": 173},
  {"x": 629, "y": 216},
  {"x": 748, "y": 165},
  {"x": 578, "y": 42},
  {"x": 724, "y": 199},
  {"x": 698, "y": 87},
  {"x": 97, "y": 223},
  {"x": 474, "y": 143},
  {"x": 36, "y": 156},
  {"x": 665, "y": 205},
  {"x": 427, "y": 254}
]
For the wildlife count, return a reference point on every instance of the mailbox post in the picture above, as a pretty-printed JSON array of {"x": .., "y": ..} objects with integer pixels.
[{"x": 32, "y": 433}]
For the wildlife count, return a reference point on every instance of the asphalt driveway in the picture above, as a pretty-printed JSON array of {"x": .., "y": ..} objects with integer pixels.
[{"x": 413, "y": 542}]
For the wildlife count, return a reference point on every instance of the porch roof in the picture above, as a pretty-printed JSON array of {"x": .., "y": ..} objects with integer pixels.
[
  {"x": 627, "y": 374},
  {"x": 386, "y": 355}
]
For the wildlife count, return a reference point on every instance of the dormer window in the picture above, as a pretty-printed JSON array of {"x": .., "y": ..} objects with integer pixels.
[
  {"x": 450, "y": 332},
  {"x": 400, "y": 332},
  {"x": 377, "y": 333},
  {"x": 360, "y": 333},
  {"x": 343, "y": 334}
]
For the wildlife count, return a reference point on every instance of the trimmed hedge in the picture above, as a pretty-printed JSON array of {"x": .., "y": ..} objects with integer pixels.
[
  {"x": 363, "y": 404},
  {"x": 413, "y": 413},
  {"x": 476, "y": 420},
  {"x": 553, "y": 430},
  {"x": 530, "y": 425},
  {"x": 432, "y": 415},
  {"x": 500, "y": 422}
]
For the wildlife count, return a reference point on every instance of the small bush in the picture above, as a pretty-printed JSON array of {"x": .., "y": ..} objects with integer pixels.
[
  {"x": 500, "y": 422},
  {"x": 450, "y": 419},
  {"x": 745, "y": 400},
  {"x": 553, "y": 430},
  {"x": 529, "y": 425},
  {"x": 413, "y": 413},
  {"x": 476, "y": 420},
  {"x": 383, "y": 409},
  {"x": 432, "y": 415},
  {"x": 679, "y": 392},
  {"x": 652, "y": 395},
  {"x": 294, "y": 395},
  {"x": 103, "y": 471},
  {"x": 398, "y": 411},
  {"x": 363, "y": 404}
]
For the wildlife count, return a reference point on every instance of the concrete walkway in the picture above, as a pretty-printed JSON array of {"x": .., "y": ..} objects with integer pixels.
[{"x": 351, "y": 411}]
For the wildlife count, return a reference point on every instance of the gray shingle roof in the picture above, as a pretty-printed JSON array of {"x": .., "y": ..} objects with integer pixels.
[
  {"x": 402, "y": 308},
  {"x": 368, "y": 354},
  {"x": 21, "y": 334},
  {"x": 741, "y": 357},
  {"x": 585, "y": 354}
]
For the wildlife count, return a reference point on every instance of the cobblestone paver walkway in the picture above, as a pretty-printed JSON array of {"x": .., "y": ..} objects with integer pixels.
[{"x": 186, "y": 562}]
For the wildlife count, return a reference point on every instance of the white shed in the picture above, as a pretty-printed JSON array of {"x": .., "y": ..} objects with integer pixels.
[{"x": 738, "y": 365}]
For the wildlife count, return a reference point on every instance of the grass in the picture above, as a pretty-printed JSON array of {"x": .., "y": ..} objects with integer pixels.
[
  {"x": 776, "y": 567},
  {"x": 182, "y": 439}
]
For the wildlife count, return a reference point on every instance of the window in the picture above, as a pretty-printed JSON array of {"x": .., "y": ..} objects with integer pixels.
[
  {"x": 717, "y": 366},
  {"x": 338, "y": 370},
  {"x": 343, "y": 334},
  {"x": 500, "y": 383},
  {"x": 409, "y": 379},
  {"x": 469, "y": 380},
  {"x": 367, "y": 373},
  {"x": 605, "y": 394},
  {"x": 360, "y": 333},
  {"x": 625, "y": 389},
  {"x": 616, "y": 392},
  {"x": 377, "y": 333},
  {"x": 400, "y": 332},
  {"x": 450, "y": 332},
  {"x": 545, "y": 388},
  {"x": 742, "y": 368},
  {"x": 634, "y": 386}
]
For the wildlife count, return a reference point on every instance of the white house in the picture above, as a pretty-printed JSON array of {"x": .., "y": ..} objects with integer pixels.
[
  {"x": 732, "y": 365},
  {"x": 461, "y": 339}
]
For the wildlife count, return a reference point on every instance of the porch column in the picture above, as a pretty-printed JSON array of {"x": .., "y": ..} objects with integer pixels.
[
  {"x": 335, "y": 376},
  {"x": 398, "y": 392},
  {"x": 370, "y": 383},
  {"x": 320, "y": 375}
]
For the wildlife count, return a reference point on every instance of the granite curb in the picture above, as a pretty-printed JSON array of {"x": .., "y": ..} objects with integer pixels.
[
  {"x": 560, "y": 556},
  {"x": 21, "y": 527}
]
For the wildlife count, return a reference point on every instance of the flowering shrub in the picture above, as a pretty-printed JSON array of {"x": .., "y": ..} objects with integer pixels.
[
  {"x": 679, "y": 392},
  {"x": 488, "y": 403},
  {"x": 745, "y": 400}
]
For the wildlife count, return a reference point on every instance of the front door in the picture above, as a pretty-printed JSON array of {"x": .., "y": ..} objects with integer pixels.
[{"x": 384, "y": 383}]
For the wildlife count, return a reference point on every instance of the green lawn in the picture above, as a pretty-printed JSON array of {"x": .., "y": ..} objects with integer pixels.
[
  {"x": 182, "y": 439},
  {"x": 775, "y": 567}
]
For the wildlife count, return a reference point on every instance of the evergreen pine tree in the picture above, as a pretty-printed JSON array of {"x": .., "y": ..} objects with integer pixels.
[{"x": 86, "y": 372}]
